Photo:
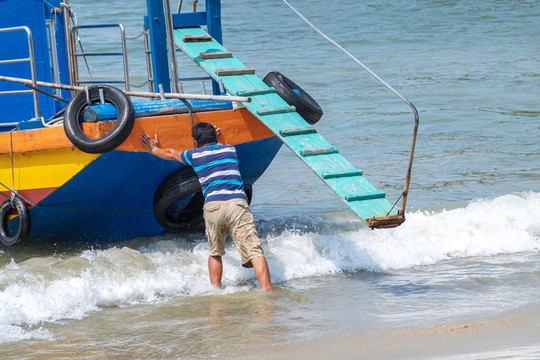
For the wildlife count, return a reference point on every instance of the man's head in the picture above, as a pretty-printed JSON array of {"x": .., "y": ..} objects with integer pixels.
[{"x": 204, "y": 133}]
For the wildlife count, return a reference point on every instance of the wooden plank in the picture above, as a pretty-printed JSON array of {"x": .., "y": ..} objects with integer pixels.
[
  {"x": 366, "y": 196},
  {"x": 274, "y": 111},
  {"x": 297, "y": 131},
  {"x": 319, "y": 155},
  {"x": 215, "y": 55},
  {"x": 237, "y": 71},
  {"x": 254, "y": 92},
  {"x": 339, "y": 174},
  {"x": 319, "y": 151},
  {"x": 197, "y": 38}
]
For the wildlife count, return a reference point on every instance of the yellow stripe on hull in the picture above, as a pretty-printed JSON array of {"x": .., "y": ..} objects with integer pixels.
[{"x": 43, "y": 169}]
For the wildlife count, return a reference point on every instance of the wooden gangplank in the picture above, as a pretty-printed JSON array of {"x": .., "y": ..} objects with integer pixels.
[{"x": 346, "y": 181}]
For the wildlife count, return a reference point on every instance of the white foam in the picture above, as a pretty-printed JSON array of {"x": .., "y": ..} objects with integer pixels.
[{"x": 48, "y": 289}]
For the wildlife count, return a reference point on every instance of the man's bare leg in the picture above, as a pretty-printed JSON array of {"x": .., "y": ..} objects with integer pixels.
[
  {"x": 215, "y": 269},
  {"x": 262, "y": 273}
]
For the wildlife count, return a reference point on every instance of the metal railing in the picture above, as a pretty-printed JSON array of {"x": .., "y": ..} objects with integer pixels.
[
  {"x": 123, "y": 53},
  {"x": 148, "y": 60},
  {"x": 31, "y": 59}
]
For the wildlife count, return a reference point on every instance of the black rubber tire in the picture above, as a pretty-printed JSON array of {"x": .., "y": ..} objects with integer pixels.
[
  {"x": 23, "y": 230},
  {"x": 305, "y": 105},
  {"x": 181, "y": 184},
  {"x": 118, "y": 134}
]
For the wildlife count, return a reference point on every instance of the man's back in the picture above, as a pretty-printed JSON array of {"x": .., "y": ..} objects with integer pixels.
[{"x": 216, "y": 167}]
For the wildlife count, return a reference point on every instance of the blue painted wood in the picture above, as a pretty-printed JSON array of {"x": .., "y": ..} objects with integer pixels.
[
  {"x": 337, "y": 173},
  {"x": 14, "y": 45},
  {"x": 154, "y": 108},
  {"x": 213, "y": 22},
  {"x": 155, "y": 23},
  {"x": 189, "y": 19}
]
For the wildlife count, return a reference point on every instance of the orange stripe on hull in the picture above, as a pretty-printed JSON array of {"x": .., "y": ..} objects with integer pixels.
[{"x": 238, "y": 127}]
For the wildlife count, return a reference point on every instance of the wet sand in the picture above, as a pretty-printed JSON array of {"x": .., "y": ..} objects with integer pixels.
[{"x": 513, "y": 335}]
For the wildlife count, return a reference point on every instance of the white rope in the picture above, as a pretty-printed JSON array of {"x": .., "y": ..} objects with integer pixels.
[{"x": 345, "y": 51}]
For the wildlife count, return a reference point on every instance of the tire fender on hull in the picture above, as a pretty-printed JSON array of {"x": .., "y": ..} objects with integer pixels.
[
  {"x": 295, "y": 96},
  {"x": 23, "y": 229},
  {"x": 178, "y": 201},
  {"x": 121, "y": 129}
]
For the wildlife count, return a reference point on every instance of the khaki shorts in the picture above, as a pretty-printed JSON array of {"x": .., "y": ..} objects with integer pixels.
[{"x": 233, "y": 217}]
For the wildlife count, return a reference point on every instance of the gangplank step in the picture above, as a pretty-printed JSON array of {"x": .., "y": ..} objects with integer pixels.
[
  {"x": 215, "y": 55},
  {"x": 385, "y": 222},
  {"x": 254, "y": 92},
  {"x": 237, "y": 71},
  {"x": 319, "y": 151},
  {"x": 367, "y": 196},
  {"x": 337, "y": 173},
  {"x": 276, "y": 111},
  {"x": 340, "y": 174},
  {"x": 297, "y": 131},
  {"x": 197, "y": 38}
]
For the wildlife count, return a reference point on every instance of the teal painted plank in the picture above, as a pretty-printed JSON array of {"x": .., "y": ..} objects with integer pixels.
[
  {"x": 298, "y": 131},
  {"x": 256, "y": 92},
  {"x": 338, "y": 174},
  {"x": 365, "y": 196},
  {"x": 275, "y": 111}
]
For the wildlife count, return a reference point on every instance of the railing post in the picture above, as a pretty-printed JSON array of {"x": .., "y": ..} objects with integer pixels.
[
  {"x": 213, "y": 24},
  {"x": 158, "y": 43},
  {"x": 33, "y": 70},
  {"x": 124, "y": 54},
  {"x": 213, "y": 19},
  {"x": 171, "y": 49}
]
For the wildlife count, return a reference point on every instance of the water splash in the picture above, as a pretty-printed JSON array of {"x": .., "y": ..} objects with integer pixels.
[{"x": 49, "y": 289}]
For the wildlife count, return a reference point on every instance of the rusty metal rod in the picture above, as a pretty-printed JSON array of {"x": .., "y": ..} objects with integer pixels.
[
  {"x": 413, "y": 108},
  {"x": 46, "y": 93}
]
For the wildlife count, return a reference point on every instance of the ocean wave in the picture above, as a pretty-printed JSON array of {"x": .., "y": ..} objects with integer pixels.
[{"x": 50, "y": 289}]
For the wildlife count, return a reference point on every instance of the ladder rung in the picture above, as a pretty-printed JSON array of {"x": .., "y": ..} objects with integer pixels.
[
  {"x": 256, "y": 92},
  {"x": 319, "y": 151},
  {"x": 366, "y": 196},
  {"x": 340, "y": 174},
  {"x": 276, "y": 111},
  {"x": 239, "y": 71},
  {"x": 196, "y": 38},
  {"x": 297, "y": 131},
  {"x": 215, "y": 55}
]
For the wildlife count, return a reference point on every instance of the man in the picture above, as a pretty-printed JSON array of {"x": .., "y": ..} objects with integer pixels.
[{"x": 225, "y": 203}]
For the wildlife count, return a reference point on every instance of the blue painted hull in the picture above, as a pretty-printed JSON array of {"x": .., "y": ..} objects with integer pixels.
[{"x": 112, "y": 198}]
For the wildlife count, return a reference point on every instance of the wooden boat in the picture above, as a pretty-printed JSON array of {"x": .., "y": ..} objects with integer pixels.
[{"x": 71, "y": 164}]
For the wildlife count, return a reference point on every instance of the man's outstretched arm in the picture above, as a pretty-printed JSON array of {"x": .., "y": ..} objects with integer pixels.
[{"x": 152, "y": 146}]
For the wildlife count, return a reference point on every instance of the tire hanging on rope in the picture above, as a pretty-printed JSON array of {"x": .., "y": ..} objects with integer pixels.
[
  {"x": 178, "y": 201},
  {"x": 8, "y": 207},
  {"x": 93, "y": 96},
  {"x": 295, "y": 96}
]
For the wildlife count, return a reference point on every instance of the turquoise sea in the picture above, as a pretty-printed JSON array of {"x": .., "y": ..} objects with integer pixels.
[{"x": 470, "y": 247}]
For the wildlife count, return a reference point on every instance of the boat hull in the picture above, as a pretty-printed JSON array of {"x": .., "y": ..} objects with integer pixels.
[{"x": 108, "y": 197}]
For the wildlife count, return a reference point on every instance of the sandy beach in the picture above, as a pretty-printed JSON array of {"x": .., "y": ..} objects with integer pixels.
[{"x": 512, "y": 335}]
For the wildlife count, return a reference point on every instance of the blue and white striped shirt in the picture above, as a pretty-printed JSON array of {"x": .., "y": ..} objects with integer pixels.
[{"x": 216, "y": 167}]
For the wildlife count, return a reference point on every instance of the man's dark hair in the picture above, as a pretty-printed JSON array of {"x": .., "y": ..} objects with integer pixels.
[{"x": 204, "y": 133}]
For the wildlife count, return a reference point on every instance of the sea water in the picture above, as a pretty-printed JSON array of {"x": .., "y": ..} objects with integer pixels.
[{"x": 470, "y": 247}]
